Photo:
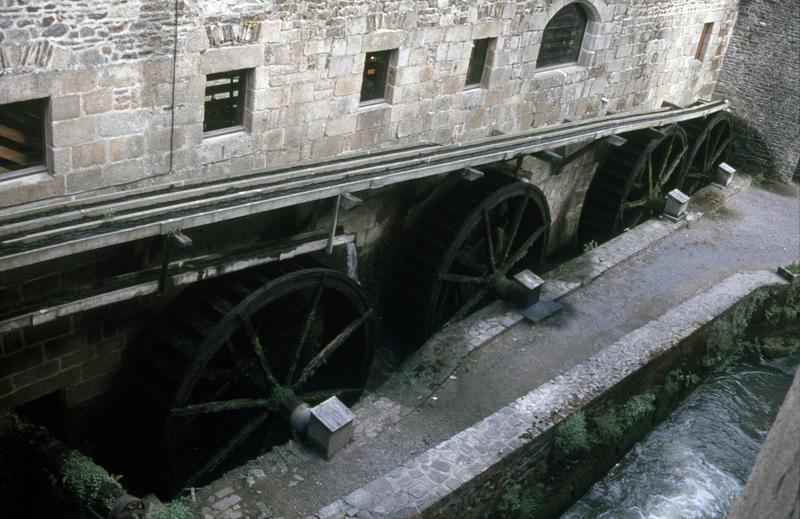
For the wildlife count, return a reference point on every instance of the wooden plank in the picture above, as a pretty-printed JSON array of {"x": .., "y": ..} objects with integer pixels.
[
  {"x": 12, "y": 134},
  {"x": 312, "y": 186},
  {"x": 13, "y": 155}
]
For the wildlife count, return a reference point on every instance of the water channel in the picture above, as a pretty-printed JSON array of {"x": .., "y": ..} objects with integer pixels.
[{"x": 695, "y": 463}]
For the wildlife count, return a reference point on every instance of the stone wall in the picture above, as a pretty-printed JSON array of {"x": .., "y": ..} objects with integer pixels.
[
  {"x": 761, "y": 75},
  {"x": 113, "y": 120},
  {"x": 110, "y": 70}
]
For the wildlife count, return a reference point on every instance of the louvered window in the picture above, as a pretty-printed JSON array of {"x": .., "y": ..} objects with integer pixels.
[
  {"x": 562, "y": 37},
  {"x": 376, "y": 73},
  {"x": 225, "y": 98},
  {"x": 21, "y": 135}
]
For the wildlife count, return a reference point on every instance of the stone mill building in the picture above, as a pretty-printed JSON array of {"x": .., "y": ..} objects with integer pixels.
[{"x": 183, "y": 181}]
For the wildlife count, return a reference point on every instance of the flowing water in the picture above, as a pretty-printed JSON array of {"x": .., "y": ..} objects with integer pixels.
[{"x": 695, "y": 463}]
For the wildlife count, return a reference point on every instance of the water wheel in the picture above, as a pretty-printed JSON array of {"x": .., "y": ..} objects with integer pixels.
[
  {"x": 466, "y": 244},
  {"x": 631, "y": 183},
  {"x": 710, "y": 141},
  {"x": 231, "y": 353}
]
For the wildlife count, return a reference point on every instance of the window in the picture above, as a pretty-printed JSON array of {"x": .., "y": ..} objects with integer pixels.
[
  {"x": 477, "y": 62},
  {"x": 22, "y": 135},
  {"x": 225, "y": 99},
  {"x": 376, "y": 73},
  {"x": 700, "y": 53},
  {"x": 562, "y": 37}
]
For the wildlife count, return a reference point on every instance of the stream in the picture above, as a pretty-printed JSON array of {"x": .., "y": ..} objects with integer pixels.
[{"x": 696, "y": 462}]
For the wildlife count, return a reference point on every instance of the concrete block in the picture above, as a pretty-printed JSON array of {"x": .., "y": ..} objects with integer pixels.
[{"x": 330, "y": 426}]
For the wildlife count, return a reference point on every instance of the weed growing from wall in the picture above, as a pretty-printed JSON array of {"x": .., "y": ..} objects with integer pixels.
[
  {"x": 85, "y": 479},
  {"x": 571, "y": 436}
]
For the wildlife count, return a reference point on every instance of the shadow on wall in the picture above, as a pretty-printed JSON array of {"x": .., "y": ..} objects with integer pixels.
[{"x": 750, "y": 152}]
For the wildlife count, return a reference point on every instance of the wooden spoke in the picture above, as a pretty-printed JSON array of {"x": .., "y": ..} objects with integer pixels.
[
  {"x": 672, "y": 167},
  {"x": 330, "y": 349},
  {"x": 259, "y": 351},
  {"x": 515, "y": 227},
  {"x": 666, "y": 159},
  {"x": 227, "y": 449},
  {"x": 458, "y": 278},
  {"x": 221, "y": 406},
  {"x": 719, "y": 151},
  {"x": 638, "y": 203},
  {"x": 523, "y": 249},
  {"x": 489, "y": 240},
  {"x": 312, "y": 314},
  {"x": 650, "y": 187}
]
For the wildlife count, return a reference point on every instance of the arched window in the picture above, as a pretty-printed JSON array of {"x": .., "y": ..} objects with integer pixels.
[{"x": 562, "y": 37}]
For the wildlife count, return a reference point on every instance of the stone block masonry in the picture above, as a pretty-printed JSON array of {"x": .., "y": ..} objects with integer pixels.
[
  {"x": 761, "y": 75},
  {"x": 108, "y": 70},
  {"x": 79, "y": 354}
]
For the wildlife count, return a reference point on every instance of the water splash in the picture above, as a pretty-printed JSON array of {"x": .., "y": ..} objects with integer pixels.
[{"x": 695, "y": 463}]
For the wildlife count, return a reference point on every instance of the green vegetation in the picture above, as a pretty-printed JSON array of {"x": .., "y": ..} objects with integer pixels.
[
  {"x": 609, "y": 429},
  {"x": 794, "y": 267},
  {"x": 571, "y": 436},
  {"x": 590, "y": 245},
  {"x": 636, "y": 408},
  {"x": 677, "y": 379},
  {"x": 85, "y": 479},
  {"x": 522, "y": 503}
]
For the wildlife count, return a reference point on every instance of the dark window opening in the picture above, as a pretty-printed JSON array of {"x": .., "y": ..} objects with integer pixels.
[
  {"x": 225, "y": 98},
  {"x": 562, "y": 37},
  {"x": 700, "y": 53},
  {"x": 22, "y": 135},
  {"x": 376, "y": 72},
  {"x": 477, "y": 62}
]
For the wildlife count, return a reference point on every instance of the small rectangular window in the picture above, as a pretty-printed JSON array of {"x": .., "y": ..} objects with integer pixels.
[
  {"x": 700, "y": 53},
  {"x": 22, "y": 135},
  {"x": 376, "y": 72},
  {"x": 224, "y": 101},
  {"x": 477, "y": 62}
]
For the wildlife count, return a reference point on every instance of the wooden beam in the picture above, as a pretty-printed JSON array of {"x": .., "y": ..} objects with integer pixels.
[
  {"x": 12, "y": 134},
  {"x": 13, "y": 156}
]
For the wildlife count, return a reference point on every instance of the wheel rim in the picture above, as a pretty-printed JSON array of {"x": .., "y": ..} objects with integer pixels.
[
  {"x": 630, "y": 185},
  {"x": 711, "y": 143},
  {"x": 307, "y": 333},
  {"x": 475, "y": 233},
  {"x": 496, "y": 240}
]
